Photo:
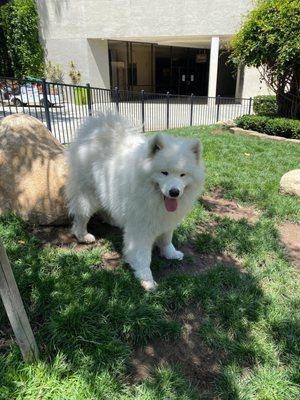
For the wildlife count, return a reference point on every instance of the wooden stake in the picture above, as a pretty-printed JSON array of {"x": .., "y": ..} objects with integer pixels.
[{"x": 15, "y": 309}]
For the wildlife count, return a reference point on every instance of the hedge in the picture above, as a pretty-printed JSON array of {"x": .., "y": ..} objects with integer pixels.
[
  {"x": 289, "y": 128},
  {"x": 265, "y": 105}
]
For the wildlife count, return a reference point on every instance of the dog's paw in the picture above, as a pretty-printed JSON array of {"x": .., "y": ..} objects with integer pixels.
[
  {"x": 177, "y": 255},
  {"x": 149, "y": 285},
  {"x": 88, "y": 238},
  {"x": 170, "y": 253}
]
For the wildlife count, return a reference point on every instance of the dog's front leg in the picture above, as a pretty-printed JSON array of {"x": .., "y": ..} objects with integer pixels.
[
  {"x": 79, "y": 229},
  {"x": 166, "y": 247},
  {"x": 137, "y": 252}
]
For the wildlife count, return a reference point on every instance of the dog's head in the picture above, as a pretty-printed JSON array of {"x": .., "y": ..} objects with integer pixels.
[{"x": 175, "y": 166}]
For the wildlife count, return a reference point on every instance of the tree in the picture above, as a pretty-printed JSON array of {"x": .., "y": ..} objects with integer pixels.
[
  {"x": 19, "y": 23},
  {"x": 5, "y": 61},
  {"x": 269, "y": 40}
]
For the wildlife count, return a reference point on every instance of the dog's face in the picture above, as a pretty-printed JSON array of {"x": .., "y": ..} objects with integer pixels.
[{"x": 174, "y": 166}]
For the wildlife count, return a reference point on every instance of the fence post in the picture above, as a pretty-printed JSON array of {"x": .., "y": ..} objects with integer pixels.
[
  {"x": 46, "y": 104},
  {"x": 192, "y": 107},
  {"x": 89, "y": 100},
  {"x": 143, "y": 108},
  {"x": 168, "y": 108},
  {"x": 15, "y": 310},
  {"x": 218, "y": 107},
  {"x": 2, "y": 104},
  {"x": 116, "y": 92},
  {"x": 250, "y": 105}
]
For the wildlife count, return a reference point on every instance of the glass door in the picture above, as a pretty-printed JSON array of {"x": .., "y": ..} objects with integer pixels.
[
  {"x": 141, "y": 69},
  {"x": 118, "y": 64}
]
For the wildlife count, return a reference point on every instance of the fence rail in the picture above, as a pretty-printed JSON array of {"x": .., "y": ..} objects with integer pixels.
[{"x": 63, "y": 107}]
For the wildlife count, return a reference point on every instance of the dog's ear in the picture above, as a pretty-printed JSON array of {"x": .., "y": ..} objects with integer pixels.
[
  {"x": 156, "y": 144},
  {"x": 196, "y": 149}
]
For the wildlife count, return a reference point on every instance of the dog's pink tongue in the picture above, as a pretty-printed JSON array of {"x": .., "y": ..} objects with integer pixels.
[{"x": 170, "y": 204}]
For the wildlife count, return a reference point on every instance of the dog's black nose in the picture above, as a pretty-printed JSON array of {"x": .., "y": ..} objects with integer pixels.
[{"x": 174, "y": 192}]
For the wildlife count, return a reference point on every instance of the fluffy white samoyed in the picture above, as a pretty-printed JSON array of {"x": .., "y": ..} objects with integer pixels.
[{"x": 144, "y": 185}]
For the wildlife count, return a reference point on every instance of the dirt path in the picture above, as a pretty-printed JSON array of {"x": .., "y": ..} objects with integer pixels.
[
  {"x": 228, "y": 208},
  {"x": 290, "y": 238}
]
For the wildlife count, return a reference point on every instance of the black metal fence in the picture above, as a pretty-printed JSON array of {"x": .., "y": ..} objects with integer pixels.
[{"x": 64, "y": 107}]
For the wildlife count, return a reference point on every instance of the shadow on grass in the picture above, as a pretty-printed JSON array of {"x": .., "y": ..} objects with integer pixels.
[{"x": 97, "y": 318}]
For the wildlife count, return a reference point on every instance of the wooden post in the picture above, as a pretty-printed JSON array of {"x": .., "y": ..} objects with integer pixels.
[{"x": 15, "y": 310}]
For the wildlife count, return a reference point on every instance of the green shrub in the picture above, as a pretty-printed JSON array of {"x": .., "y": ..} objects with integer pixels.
[
  {"x": 80, "y": 95},
  {"x": 289, "y": 128},
  {"x": 265, "y": 105},
  {"x": 20, "y": 34}
]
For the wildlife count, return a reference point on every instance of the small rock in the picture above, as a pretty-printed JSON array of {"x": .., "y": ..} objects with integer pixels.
[
  {"x": 228, "y": 123},
  {"x": 290, "y": 182}
]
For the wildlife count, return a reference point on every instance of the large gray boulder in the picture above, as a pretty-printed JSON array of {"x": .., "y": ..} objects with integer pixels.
[
  {"x": 290, "y": 182},
  {"x": 32, "y": 171}
]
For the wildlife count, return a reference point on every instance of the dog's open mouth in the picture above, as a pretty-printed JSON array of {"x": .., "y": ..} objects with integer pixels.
[{"x": 170, "y": 204}]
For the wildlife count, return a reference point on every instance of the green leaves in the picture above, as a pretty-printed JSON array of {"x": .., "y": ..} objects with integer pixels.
[
  {"x": 265, "y": 105},
  {"x": 269, "y": 32},
  {"x": 19, "y": 22},
  {"x": 270, "y": 39},
  {"x": 271, "y": 126}
]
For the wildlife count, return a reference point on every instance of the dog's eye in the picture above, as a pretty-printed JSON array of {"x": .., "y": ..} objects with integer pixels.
[
  {"x": 182, "y": 175},
  {"x": 165, "y": 172}
]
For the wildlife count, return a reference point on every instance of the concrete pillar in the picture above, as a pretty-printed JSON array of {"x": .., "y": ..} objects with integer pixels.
[
  {"x": 213, "y": 66},
  {"x": 239, "y": 82}
]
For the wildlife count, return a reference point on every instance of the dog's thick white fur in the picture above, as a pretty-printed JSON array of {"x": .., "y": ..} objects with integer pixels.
[{"x": 145, "y": 185}]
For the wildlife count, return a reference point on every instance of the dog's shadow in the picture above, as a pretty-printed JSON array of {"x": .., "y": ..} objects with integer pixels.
[
  {"x": 104, "y": 231},
  {"x": 111, "y": 239},
  {"x": 61, "y": 236}
]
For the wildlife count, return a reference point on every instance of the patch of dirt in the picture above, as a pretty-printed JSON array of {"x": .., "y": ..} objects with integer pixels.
[
  {"x": 290, "y": 238},
  {"x": 228, "y": 208},
  {"x": 195, "y": 263},
  {"x": 220, "y": 130},
  {"x": 6, "y": 337},
  {"x": 196, "y": 360},
  {"x": 111, "y": 260},
  {"x": 60, "y": 236}
]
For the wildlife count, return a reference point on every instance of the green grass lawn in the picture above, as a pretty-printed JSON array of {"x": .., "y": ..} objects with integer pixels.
[{"x": 89, "y": 322}]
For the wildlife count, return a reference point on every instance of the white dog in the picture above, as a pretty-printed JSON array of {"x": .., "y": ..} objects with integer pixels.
[{"x": 145, "y": 185}]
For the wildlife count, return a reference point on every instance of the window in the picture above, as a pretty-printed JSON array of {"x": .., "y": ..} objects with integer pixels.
[{"x": 118, "y": 61}]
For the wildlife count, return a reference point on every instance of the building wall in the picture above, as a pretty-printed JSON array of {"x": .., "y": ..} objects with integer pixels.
[
  {"x": 140, "y": 18},
  {"x": 253, "y": 85},
  {"x": 77, "y": 30}
]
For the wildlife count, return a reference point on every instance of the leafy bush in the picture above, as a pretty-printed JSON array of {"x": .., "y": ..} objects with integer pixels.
[
  {"x": 265, "y": 105},
  {"x": 289, "y": 128},
  {"x": 54, "y": 73},
  {"x": 74, "y": 74},
  {"x": 19, "y": 23},
  {"x": 80, "y": 95}
]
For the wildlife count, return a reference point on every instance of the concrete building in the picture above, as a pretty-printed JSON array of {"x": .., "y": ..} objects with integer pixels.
[{"x": 155, "y": 45}]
